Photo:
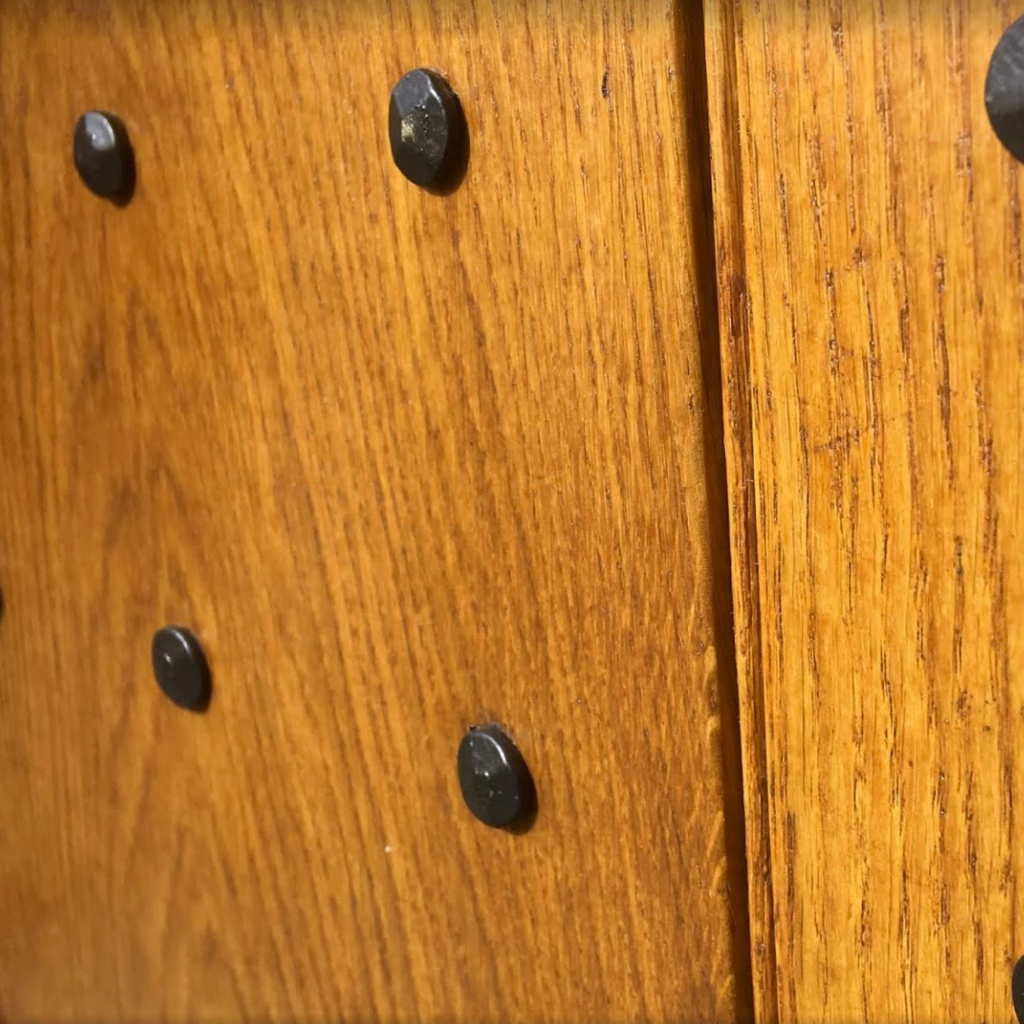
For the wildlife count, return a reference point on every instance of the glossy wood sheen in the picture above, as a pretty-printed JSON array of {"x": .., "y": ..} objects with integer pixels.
[
  {"x": 404, "y": 463},
  {"x": 868, "y": 224}
]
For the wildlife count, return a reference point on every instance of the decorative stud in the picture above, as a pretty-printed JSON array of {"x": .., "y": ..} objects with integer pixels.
[
  {"x": 427, "y": 130},
  {"x": 103, "y": 156},
  {"x": 180, "y": 668},
  {"x": 495, "y": 782},
  {"x": 1017, "y": 990},
  {"x": 1004, "y": 89}
]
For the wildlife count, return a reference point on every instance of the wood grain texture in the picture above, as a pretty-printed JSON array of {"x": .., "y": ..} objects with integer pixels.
[
  {"x": 405, "y": 463},
  {"x": 869, "y": 227}
]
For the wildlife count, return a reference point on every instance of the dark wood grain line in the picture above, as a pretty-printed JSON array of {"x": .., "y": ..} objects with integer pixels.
[{"x": 723, "y": 34}]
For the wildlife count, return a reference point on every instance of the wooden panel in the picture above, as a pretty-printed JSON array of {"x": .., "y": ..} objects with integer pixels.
[
  {"x": 868, "y": 224},
  {"x": 406, "y": 463}
]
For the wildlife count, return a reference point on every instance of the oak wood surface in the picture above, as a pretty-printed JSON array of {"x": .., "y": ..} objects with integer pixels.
[
  {"x": 869, "y": 237},
  {"x": 405, "y": 463}
]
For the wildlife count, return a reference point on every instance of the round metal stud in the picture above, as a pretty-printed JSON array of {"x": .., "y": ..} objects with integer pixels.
[
  {"x": 180, "y": 668},
  {"x": 1004, "y": 89},
  {"x": 103, "y": 156},
  {"x": 427, "y": 130},
  {"x": 495, "y": 782},
  {"x": 1017, "y": 990}
]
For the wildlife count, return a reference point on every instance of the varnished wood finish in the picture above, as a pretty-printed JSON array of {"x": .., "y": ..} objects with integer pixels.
[
  {"x": 405, "y": 463},
  {"x": 868, "y": 224}
]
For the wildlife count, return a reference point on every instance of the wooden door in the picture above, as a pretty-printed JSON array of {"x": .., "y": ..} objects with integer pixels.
[
  {"x": 405, "y": 463},
  {"x": 868, "y": 229}
]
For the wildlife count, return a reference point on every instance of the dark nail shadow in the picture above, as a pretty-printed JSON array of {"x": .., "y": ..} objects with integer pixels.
[
  {"x": 528, "y": 814},
  {"x": 124, "y": 197},
  {"x": 456, "y": 172},
  {"x": 203, "y": 705},
  {"x": 690, "y": 47}
]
